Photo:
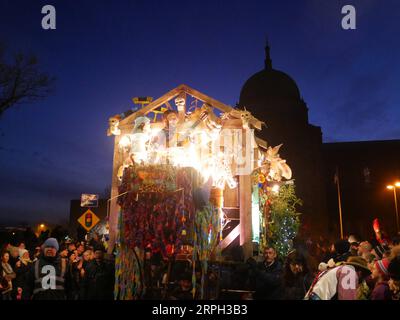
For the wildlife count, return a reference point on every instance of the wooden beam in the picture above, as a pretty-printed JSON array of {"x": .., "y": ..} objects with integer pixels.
[
  {"x": 172, "y": 94},
  {"x": 230, "y": 237},
  {"x": 114, "y": 207},
  {"x": 211, "y": 101},
  {"x": 155, "y": 104},
  {"x": 261, "y": 143}
]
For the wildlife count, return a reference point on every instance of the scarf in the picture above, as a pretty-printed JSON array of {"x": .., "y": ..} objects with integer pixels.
[{"x": 7, "y": 268}]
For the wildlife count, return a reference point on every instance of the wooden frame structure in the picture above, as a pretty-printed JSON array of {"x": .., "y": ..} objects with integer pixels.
[{"x": 238, "y": 199}]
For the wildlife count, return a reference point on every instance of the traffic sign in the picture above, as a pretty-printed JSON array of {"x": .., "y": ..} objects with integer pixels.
[{"x": 88, "y": 220}]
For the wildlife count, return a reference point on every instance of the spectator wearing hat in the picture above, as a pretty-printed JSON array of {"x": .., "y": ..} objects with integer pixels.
[
  {"x": 381, "y": 251},
  {"x": 22, "y": 268},
  {"x": 48, "y": 277},
  {"x": 340, "y": 283},
  {"x": 380, "y": 275}
]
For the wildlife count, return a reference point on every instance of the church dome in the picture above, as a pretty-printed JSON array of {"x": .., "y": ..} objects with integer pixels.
[{"x": 268, "y": 84}]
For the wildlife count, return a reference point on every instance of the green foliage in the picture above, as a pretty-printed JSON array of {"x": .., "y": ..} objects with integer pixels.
[{"x": 284, "y": 219}]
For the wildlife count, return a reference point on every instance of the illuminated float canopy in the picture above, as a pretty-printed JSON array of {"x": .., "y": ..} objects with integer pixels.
[{"x": 185, "y": 128}]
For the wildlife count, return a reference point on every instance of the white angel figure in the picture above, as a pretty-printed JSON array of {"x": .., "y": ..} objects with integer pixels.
[{"x": 277, "y": 166}]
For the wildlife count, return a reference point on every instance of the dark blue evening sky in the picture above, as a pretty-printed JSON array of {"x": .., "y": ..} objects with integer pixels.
[{"x": 103, "y": 53}]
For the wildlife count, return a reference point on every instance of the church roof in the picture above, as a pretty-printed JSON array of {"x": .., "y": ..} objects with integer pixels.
[{"x": 268, "y": 83}]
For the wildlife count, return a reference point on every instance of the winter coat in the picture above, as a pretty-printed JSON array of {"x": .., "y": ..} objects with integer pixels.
[
  {"x": 297, "y": 288},
  {"x": 98, "y": 281},
  {"x": 21, "y": 280},
  {"x": 381, "y": 291},
  {"x": 268, "y": 281},
  {"x": 38, "y": 279}
]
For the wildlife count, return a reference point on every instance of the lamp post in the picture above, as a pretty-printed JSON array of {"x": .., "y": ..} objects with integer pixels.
[{"x": 393, "y": 187}]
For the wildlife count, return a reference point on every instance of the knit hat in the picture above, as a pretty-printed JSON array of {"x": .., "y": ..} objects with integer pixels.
[
  {"x": 394, "y": 268},
  {"x": 22, "y": 252},
  {"x": 380, "y": 249},
  {"x": 382, "y": 266},
  {"x": 51, "y": 242}
]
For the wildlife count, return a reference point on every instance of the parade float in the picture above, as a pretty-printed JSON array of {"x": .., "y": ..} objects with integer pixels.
[{"x": 190, "y": 180}]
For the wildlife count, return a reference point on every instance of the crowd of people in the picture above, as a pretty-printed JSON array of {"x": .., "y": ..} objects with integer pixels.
[
  {"x": 348, "y": 269},
  {"x": 56, "y": 270}
]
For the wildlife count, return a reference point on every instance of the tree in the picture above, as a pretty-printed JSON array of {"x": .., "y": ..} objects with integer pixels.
[
  {"x": 21, "y": 81},
  {"x": 284, "y": 219}
]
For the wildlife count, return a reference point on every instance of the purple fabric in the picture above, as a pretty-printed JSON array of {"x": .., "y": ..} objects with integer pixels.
[{"x": 381, "y": 292}]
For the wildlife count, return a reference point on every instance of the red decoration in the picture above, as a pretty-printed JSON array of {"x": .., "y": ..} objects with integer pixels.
[{"x": 376, "y": 226}]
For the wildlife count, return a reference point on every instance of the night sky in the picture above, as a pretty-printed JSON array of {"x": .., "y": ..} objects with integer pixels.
[{"x": 103, "y": 53}]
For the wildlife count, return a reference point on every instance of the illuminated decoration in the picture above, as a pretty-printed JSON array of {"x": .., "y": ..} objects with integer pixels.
[
  {"x": 125, "y": 141},
  {"x": 195, "y": 147},
  {"x": 113, "y": 124},
  {"x": 255, "y": 215},
  {"x": 181, "y": 176},
  {"x": 142, "y": 100},
  {"x": 248, "y": 120},
  {"x": 180, "y": 103},
  {"x": 140, "y": 137},
  {"x": 275, "y": 188},
  {"x": 157, "y": 112},
  {"x": 274, "y": 165}
]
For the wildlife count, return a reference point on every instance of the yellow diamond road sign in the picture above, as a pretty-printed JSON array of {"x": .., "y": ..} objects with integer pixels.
[{"x": 88, "y": 220}]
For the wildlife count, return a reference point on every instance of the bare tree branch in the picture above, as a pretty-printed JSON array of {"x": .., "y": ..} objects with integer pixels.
[{"x": 21, "y": 80}]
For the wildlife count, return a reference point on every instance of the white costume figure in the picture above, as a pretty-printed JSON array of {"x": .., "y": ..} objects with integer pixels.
[
  {"x": 246, "y": 117},
  {"x": 277, "y": 166},
  {"x": 140, "y": 138},
  {"x": 113, "y": 124}
]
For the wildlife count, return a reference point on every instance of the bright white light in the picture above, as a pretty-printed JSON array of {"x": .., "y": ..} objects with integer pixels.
[
  {"x": 125, "y": 141},
  {"x": 255, "y": 215},
  {"x": 199, "y": 153},
  {"x": 275, "y": 188}
]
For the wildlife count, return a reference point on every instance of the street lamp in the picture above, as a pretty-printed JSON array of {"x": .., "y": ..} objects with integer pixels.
[{"x": 393, "y": 187}]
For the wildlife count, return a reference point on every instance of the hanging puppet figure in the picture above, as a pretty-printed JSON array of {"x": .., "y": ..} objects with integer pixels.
[
  {"x": 277, "y": 166},
  {"x": 113, "y": 124},
  {"x": 140, "y": 138},
  {"x": 127, "y": 162}
]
